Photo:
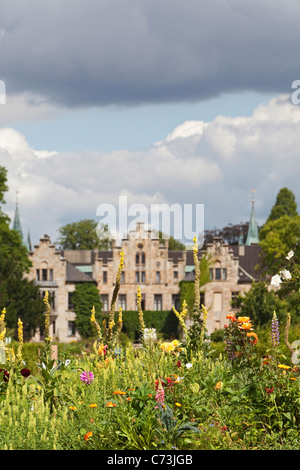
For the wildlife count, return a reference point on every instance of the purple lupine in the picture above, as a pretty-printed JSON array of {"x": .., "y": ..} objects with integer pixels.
[
  {"x": 230, "y": 348},
  {"x": 275, "y": 330}
]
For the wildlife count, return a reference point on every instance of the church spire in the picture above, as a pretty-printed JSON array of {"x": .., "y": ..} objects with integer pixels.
[
  {"x": 17, "y": 222},
  {"x": 252, "y": 236}
]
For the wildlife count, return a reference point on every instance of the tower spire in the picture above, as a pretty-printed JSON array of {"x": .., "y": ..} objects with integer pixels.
[
  {"x": 252, "y": 236},
  {"x": 17, "y": 223}
]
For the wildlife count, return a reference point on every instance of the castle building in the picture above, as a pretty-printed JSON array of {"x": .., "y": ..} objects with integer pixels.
[{"x": 148, "y": 263}]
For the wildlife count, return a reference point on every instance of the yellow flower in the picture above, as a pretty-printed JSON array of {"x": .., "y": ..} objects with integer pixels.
[
  {"x": 283, "y": 366},
  {"x": 176, "y": 343},
  {"x": 167, "y": 347},
  {"x": 219, "y": 385},
  {"x": 73, "y": 408},
  {"x": 93, "y": 318},
  {"x": 178, "y": 404},
  {"x": 243, "y": 319}
]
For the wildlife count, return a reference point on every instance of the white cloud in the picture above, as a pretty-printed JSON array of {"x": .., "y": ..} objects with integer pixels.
[
  {"x": 215, "y": 163},
  {"x": 27, "y": 106}
]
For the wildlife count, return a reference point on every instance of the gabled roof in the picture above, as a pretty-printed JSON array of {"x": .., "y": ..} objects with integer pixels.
[
  {"x": 74, "y": 275},
  {"x": 248, "y": 259},
  {"x": 248, "y": 262}
]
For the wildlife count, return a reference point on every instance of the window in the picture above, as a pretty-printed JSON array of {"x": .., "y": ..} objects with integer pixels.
[
  {"x": 175, "y": 274},
  {"x": 218, "y": 274},
  {"x": 70, "y": 301},
  {"x": 224, "y": 274},
  {"x": 53, "y": 327},
  {"x": 122, "y": 301},
  {"x": 211, "y": 273},
  {"x": 50, "y": 274},
  {"x": 234, "y": 296},
  {"x": 137, "y": 276},
  {"x": 37, "y": 274},
  {"x": 71, "y": 328},
  {"x": 122, "y": 276},
  {"x": 137, "y": 259},
  {"x": 143, "y": 302},
  {"x": 157, "y": 276},
  {"x": 176, "y": 301},
  {"x": 51, "y": 298},
  {"x": 44, "y": 275},
  {"x": 104, "y": 277},
  {"x": 104, "y": 300},
  {"x": 157, "y": 302},
  {"x": 143, "y": 276},
  {"x": 143, "y": 258}
]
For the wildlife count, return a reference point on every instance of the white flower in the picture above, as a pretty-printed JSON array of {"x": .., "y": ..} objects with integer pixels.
[
  {"x": 189, "y": 365},
  {"x": 286, "y": 274},
  {"x": 290, "y": 255},
  {"x": 276, "y": 280},
  {"x": 150, "y": 335}
]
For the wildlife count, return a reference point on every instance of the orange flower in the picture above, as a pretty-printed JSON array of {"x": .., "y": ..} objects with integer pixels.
[
  {"x": 110, "y": 404},
  {"x": 246, "y": 326},
  {"x": 254, "y": 335},
  {"x": 73, "y": 408},
  {"x": 130, "y": 389},
  {"x": 88, "y": 435},
  {"x": 93, "y": 405},
  {"x": 119, "y": 392},
  {"x": 128, "y": 398},
  {"x": 243, "y": 319},
  {"x": 231, "y": 317}
]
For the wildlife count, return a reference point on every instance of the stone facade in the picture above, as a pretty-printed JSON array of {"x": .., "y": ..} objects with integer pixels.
[
  {"x": 232, "y": 272},
  {"x": 148, "y": 264}
]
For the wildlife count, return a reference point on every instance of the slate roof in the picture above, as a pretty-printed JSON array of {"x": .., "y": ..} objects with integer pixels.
[
  {"x": 247, "y": 263},
  {"x": 74, "y": 275}
]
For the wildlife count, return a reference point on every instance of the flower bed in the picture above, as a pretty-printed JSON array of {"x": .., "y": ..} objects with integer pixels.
[{"x": 163, "y": 396}]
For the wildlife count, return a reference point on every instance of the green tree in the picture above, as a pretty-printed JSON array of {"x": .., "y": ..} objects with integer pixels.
[
  {"x": 173, "y": 243},
  {"x": 259, "y": 304},
  {"x": 85, "y": 234},
  {"x": 20, "y": 297},
  {"x": 285, "y": 204},
  {"x": 277, "y": 238},
  {"x": 84, "y": 298}
]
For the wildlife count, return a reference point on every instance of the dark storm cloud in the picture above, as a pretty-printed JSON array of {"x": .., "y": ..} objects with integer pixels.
[{"x": 84, "y": 52}]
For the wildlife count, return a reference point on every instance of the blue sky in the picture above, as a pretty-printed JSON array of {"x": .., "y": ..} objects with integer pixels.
[
  {"x": 165, "y": 102},
  {"x": 131, "y": 127}
]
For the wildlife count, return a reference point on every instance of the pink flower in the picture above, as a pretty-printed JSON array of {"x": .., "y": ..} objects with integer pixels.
[
  {"x": 160, "y": 393},
  {"x": 87, "y": 377}
]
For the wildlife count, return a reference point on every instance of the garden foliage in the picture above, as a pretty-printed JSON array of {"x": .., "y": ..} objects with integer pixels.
[{"x": 165, "y": 395}]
